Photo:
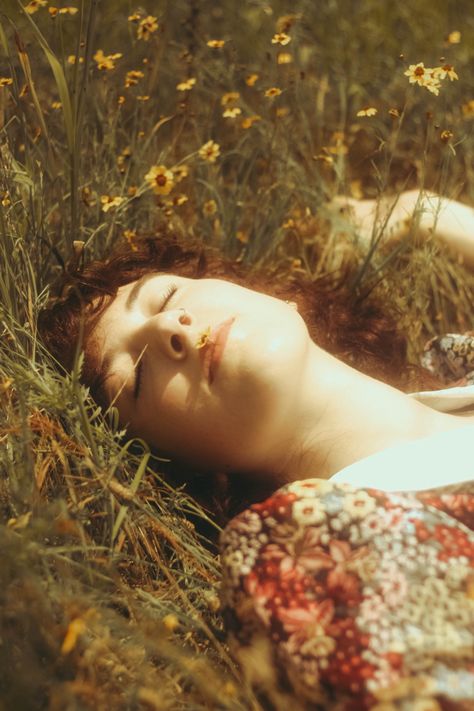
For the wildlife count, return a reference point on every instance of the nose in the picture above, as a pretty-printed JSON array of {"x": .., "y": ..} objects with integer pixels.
[{"x": 171, "y": 331}]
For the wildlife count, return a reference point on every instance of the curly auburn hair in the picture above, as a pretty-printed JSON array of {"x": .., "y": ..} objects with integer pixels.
[
  {"x": 359, "y": 332},
  {"x": 362, "y": 333}
]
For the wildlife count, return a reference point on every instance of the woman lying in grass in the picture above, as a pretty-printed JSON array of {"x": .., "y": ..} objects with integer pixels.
[{"x": 337, "y": 592}]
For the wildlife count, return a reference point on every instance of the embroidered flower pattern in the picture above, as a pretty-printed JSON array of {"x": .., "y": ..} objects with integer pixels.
[
  {"x": 451, "y": 357},
  {"x": 365, "y": 598}
]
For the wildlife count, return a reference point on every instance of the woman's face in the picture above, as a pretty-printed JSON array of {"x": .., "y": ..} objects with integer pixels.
[{"x": 204, "y": 369}]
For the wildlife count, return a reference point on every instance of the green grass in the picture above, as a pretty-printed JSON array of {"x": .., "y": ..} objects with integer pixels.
[{"x": 107, "y": 591}]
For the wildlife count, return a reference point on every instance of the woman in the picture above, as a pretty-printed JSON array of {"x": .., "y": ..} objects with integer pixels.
[{"x": 323, "y": 583}]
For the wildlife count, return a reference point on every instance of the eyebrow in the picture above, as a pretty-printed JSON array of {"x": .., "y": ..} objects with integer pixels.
[{"x": 135, "y": 290}]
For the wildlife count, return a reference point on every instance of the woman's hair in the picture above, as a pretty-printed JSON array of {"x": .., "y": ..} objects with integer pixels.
[{"x": 361, "y": 333}]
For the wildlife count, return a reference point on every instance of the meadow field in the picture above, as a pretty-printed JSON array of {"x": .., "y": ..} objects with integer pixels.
[{"x": 237, "y": 124}]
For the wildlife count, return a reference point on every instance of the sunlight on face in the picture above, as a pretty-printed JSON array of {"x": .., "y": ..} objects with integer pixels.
[{"x": 203, "y": 369}]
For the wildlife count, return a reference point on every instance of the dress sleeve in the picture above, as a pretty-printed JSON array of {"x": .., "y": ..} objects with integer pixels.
[{"x": 352, "y": 599}]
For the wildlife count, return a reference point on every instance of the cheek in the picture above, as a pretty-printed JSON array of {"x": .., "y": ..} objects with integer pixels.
[
  {"x": 174, "y": 404},
  {"x": 270, "y": 357}
]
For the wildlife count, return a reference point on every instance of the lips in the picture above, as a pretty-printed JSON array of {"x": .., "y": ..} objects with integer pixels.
[{"x": 212, "y": 352}]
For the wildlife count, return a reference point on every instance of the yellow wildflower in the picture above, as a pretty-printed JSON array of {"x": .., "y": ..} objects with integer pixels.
[
  {"x": 446, "y": 135},
  {"x": 230, "y": 689},
  {"x": 432, "y": 85},
  {"x": 423, "y": 76},
  {"x": 203, "y": 338},
  {"x": 281, "y": 38},
  {"x": 229, "y": 98},
  {"x": 180, "y": 172},
  {"x": 186, "y": 85},
  {"x": 143, "y": 97},
  {"x": 130, "y": 236},
  {"x": 394, "y": 113},
  {"x": 121, "y": 100},
  {"x": 5, "y": 81},
  {"x": 282, "y": 111},
  {"x": 34, "y": 6},
  {"x": 215, "y": 44},
  {"x": 242, "y": 236},
  {"x": 5, "y": 199},
  {"x": 123, "y": 158},
  {"x": 53, "y": 11},
  {"x": 106, "y": 61},
  {"x": 273, "y": 91},
  {"x": 209, "y": 151},
  {"x": 284, "y": 58},
  {"x": 178, "y": 200},
  {"x": 338, "y": 147},
  {"x": 87, "y": 196},
  {"x": 146, "y": 27},
  {"x": 249, "y": 121},
  {"x": 454, "y": 37},
  {"x": 209, "y": 208},
  {"x": 56, "y": 105},
  {"x": 232, "y": 112},
  {"x": 468, "y": 109},
  {"x": 72, "y": 59},
  {"x": 416, "y": 73},
  {"x": 76, "y": 628},
  {"x": 133, "y": 77},
  {"x": 135, "y": 17},
  {"x": 251, "y": 79},
  {"x": 161, "y": 179},
  {"x": 109, "y": 202},
  {"x": 368, "y": 111},
  {"x": 447, "y": 70}
]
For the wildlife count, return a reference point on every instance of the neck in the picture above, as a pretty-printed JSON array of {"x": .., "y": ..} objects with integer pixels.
[{"x": 344, "y": 416}]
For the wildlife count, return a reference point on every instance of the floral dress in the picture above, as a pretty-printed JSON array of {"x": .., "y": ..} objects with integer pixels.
[
  {"x": 451, "y": 357},
  {"x": 350, "y": 599}
]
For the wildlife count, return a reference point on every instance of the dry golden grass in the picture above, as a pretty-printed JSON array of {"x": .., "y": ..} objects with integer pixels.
[{"x": 236, "y": 123}]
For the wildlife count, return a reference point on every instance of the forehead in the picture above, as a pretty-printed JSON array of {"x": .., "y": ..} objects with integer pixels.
[
  {"x": 113, "y": 310},
  {"x": 131, "y": 290},
  {"x": 123, "y": 300}
]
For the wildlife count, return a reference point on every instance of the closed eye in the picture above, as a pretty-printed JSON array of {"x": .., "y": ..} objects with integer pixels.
[
  {"x": 165, "y": 299},
  {"x": 138, "y": 375},
  {"x": 168, "y": 294}
]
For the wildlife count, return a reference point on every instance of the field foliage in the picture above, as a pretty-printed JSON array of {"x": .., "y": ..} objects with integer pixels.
[{"x": 235, "y": 123}]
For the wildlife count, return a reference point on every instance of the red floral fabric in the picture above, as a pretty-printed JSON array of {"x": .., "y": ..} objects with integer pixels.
[
  {"x": 353, "y": 599},
  {"x": 451, "y": 357}
]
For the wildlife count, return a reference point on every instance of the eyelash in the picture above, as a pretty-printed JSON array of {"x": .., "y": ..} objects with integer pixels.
[
  {"x": 165, "y": 299},
  {"x": 170, "y": 291}
]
